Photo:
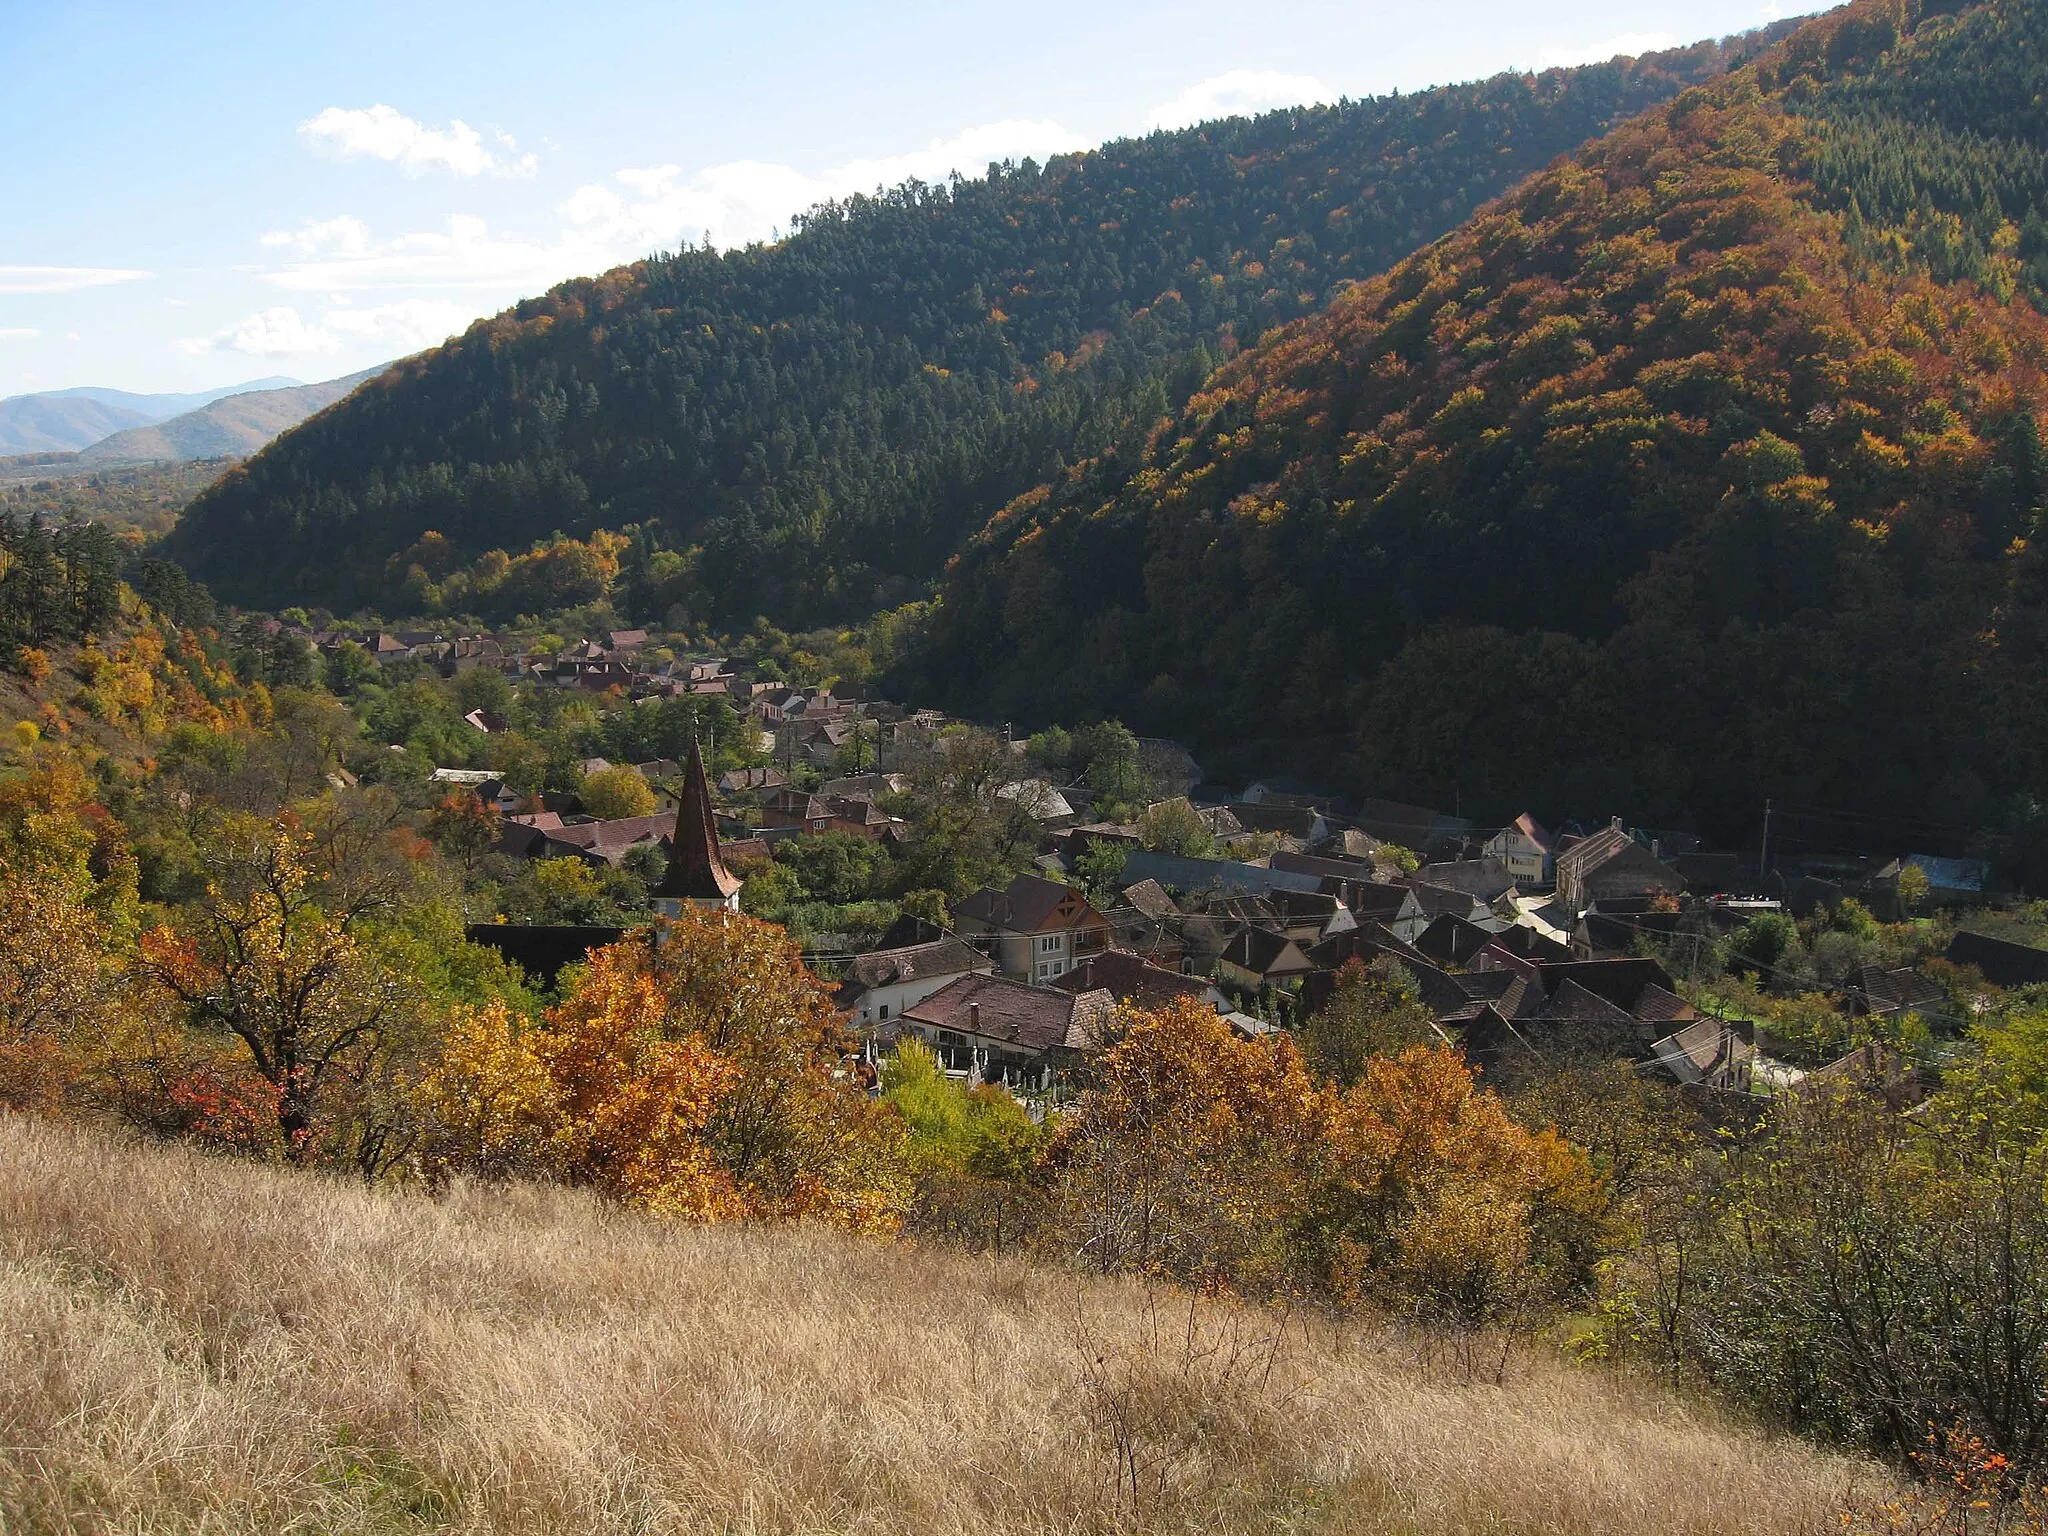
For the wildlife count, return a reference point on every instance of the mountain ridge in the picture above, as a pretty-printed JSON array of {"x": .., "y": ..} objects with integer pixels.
[
  {"x": 70, "y": 420},
  {"x": 1660, "y": 483},
  {"x": 822, "y": 421},
  {"x": 231, "y": 426}
]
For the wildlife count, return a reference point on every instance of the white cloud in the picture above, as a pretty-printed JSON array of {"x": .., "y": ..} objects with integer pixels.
[
  {"x": 405, "y": 326},
  {"x": 745, "y": 200},
  {"x": 464, "y": 255},
  {"x": 18, "y": 333},
  {"x": 64, "y": 279},
  {"x": 1237, "y": 93},
  {"x": 281, "y": 331},
  {"x": 275, "y": 332},
  {"x": 1629, "y": 43},
  {"x": 342, "y": 236},
  {"x": 641, "y": 210},
  {"x": 385, "y": 133}
]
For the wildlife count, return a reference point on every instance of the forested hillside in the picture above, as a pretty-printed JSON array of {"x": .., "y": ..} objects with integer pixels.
[
  {"x": 828, "y": 417},
  {"x": 1692, "y": 472}
]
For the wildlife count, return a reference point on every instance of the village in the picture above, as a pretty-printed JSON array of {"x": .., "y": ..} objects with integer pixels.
[{"x": 1527, "y": 945}]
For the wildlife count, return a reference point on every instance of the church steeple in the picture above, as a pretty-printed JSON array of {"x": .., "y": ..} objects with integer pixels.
[{"x": 696, "y": 874}]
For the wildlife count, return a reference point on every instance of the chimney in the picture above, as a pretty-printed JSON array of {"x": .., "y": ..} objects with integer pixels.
[{"x": 974, "y": 1018}]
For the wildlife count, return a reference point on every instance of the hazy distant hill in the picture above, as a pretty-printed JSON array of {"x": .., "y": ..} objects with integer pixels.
[
  {"x": 233, "y": 426},
  {"x": 66, "y": 420},
  {"x": 50, "y": 424}
]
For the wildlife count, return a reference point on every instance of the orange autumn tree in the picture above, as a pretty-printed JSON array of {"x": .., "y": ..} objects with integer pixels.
[
  {"x": 1206, "y": 1156},
  {"x": 694, "y": 1070}
]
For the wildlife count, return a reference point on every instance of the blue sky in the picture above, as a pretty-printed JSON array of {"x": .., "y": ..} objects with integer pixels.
[{"x": 201, "y": 193}]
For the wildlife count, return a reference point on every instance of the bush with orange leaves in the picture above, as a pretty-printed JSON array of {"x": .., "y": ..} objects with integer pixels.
[
  {"x": 694, "y": 1070},
  {"x": 1198, "y": 1154}
]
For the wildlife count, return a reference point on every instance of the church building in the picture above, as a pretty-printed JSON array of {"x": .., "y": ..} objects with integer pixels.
[{"x": 697, "y": 876}]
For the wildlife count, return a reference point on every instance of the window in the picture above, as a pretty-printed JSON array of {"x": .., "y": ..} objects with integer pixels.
[
  {"x": 884, "y": 1011},
  {"x": 1049, "y": 945}
]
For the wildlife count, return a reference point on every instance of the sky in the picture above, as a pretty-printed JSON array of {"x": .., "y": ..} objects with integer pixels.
[{"x": 202, "y": 193}]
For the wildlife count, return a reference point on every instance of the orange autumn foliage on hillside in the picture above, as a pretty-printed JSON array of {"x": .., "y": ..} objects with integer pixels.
[
  {"x": 1644, "y": 464},
  {"x": 696, "y": 1071},
  {"x": 1214, "y": 1158}
]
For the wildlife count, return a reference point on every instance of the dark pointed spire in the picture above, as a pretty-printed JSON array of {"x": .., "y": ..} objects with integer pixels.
[{"x": 695, "y": 871}]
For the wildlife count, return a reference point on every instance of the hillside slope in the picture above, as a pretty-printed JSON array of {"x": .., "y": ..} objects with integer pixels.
[
  {"x": 56, "y": 424},
  {"x": 828, "y": 417},
  {"x": 1703, "y": 467},
  {"x": 232, "y": 427},
  {"x": 193, "y": 1345},
  {"x": 66, "y": 420}
]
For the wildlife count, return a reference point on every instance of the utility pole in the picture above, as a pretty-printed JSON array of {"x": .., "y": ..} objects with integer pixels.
[{"x": 1763, "y": 856}]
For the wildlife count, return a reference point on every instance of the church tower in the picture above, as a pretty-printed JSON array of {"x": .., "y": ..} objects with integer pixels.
[{"x": 696, "y": 875}]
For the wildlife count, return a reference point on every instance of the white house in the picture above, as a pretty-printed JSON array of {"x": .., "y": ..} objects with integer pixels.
[
  {"x": 881, "y": 984},
  {"x": 1526, "y": 849}
]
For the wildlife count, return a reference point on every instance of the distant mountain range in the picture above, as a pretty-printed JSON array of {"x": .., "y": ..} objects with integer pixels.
[
  {"x": 231, "y": 426},
  {"x": 67, "y": 420},
  {"x": 77, "y": 430}
]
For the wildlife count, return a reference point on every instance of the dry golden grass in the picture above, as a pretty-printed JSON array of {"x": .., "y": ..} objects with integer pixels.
[{"x": 190, "y": 1345}]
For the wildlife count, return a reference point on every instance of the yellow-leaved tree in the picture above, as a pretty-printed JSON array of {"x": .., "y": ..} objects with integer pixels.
[
  {"x": 67, "y": 886},
  {"x": 1185, "y": 1156}
]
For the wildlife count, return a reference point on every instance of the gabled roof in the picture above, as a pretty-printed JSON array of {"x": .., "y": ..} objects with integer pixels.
[
  {"x": 1883, "y": 992},
  {"x": 609, "y": 840},
  {"x": 1437, "y": 900},
  {"x": 1620, "y": 982},
  {"x": 1328, "y": 865},
  {"x": 1370, "y": 941},
  {"x": 1655, "y": 1005},
  {"x": 1705, "y": 1051},
  {"x": 1484, "y": 878},
  {"x": 915, "y": 962},
  {"x": 1452, "y": 939},
  {"x": 1028, "y": 1018},
  {"x": 1265, "y": 953},
  {"x": 1037, "y": 798},
  {"x": 1028, "y": 904},
  {"x": 1575, "y": 1003},
  {"x": 1150, "y": 898},
  {"x": 1587, "y": 852},
  {"x": 1130, "y": 979},
  {"x": 2000, "y": 961}
]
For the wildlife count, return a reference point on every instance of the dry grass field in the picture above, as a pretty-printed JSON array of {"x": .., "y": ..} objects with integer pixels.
[{"x": 191, "y": 1345}]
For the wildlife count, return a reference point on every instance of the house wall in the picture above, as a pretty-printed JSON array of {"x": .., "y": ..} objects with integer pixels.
[
  {"x": 879, "y": 1004},
  {"x": 1524, "y": 859}
]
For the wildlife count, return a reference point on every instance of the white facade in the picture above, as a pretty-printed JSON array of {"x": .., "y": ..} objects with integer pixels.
[
  {"x": 880, "y": 1004},
  {"x": 1522, "y": 855}
]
